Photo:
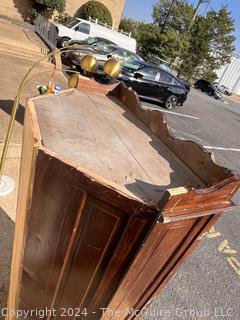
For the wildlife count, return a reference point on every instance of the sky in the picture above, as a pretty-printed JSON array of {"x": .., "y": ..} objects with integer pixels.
[{"x": 142, "y": 10}]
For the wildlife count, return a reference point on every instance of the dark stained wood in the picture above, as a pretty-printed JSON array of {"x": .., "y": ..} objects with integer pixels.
[
  {"x": 89, "y": 85},
  {"x": 163, "y": 253},
  {"x": 92, "y": 244},
  {"x": 111, "y": 204}
]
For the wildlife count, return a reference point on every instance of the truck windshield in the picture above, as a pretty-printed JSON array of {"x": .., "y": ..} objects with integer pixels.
[{"x": 72, "y": 23}]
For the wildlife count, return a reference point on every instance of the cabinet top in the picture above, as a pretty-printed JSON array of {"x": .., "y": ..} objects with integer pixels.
[
  {"x": 104, "y": 132},
  {"x": 99, "y": 133}
]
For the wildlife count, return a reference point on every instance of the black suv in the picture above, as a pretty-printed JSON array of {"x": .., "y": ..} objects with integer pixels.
[{"x": 209, "y": 88}]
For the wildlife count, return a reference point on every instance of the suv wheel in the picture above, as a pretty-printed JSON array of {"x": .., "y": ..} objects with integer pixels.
[
  {"x": 63, "y": 42},
  {"x": 171, "y": 102}
]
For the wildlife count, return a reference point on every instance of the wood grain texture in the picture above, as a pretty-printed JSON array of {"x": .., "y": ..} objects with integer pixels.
[
  {"x": 101, "y": 135},
  {"x": 93, "y": 243},
  {"x": 162, "y": 254}
]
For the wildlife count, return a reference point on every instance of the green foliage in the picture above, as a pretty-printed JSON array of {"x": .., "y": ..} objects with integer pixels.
[
  {"x": 33, "y": 15},
  {"x": 129, "y": 25},
  {"x": 166, "y": 45},
  {"x": 179, "y": 16},
  {"x": 63, "y": 18},
  {"x": 210, "y": 45},
  {"x": 95, "y": 10},
  {"x": 222, "y": 38},
  {"x": 198, "y": 49},
  {"x": 58, "y": 5}
]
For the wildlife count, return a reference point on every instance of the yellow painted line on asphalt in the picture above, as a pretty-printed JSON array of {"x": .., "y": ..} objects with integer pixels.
[
  {"x": 226, "y": 250},
  {"x": 234, "y": 264},
  {"x": 212, "y": 233}
]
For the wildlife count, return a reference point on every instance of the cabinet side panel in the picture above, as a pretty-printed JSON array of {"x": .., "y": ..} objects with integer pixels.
[
  {"x": 80, "y": 240},
  {"x": 163, "y": 253},
  {"x": 28, "y": 162},
  {"x": 51, "y": 220}
]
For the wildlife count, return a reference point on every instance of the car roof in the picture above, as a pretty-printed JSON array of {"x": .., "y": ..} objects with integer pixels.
[
  {"x": 145, "y": 64},
  {"x": 116, "y": 47},
  {"x": 104, "y": 39},
  {"x": 203, "y": 80}
]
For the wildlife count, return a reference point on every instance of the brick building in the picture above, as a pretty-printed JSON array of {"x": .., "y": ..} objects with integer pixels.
[
  {"x": 21, "y": 9},
  {"x": 114, "y": 6}
]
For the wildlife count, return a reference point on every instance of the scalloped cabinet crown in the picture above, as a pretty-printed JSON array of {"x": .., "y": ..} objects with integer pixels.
[{"x": 110, "y": 204}]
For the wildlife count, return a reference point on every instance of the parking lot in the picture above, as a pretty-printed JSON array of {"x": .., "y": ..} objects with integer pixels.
[{"x": 208, "y": 285}]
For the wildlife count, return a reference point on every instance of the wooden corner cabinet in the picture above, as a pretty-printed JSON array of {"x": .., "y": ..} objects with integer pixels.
[{"x": 110, "y": 204}]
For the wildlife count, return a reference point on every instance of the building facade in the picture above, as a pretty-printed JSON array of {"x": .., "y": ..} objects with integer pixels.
[
  {"x": 229, "y": 75},
  {"x": 22, "y": 9},
  {"x": 115, "y": 7}
]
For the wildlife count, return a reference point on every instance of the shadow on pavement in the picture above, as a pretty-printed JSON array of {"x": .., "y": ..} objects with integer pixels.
[
  {"x": 6, "y": 106},
  {"x": 6, "y": 242}
]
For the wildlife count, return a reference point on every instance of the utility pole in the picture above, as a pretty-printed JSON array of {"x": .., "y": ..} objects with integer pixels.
[
  {"x": 167, "y": 16},
  {"x": 200, "y": 2}
]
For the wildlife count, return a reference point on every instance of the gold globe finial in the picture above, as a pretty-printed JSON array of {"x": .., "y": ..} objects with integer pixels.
[
  {"x": 73, "y": 81},
  {"x": 113, "y": 68},
  {"x": 89, "y": 63}
]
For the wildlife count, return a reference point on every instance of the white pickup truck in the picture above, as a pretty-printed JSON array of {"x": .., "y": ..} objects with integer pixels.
[{"x": 80, "y": 29}]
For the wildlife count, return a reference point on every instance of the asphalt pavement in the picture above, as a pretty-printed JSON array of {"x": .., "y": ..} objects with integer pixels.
[{"x": 208, "y": 285}]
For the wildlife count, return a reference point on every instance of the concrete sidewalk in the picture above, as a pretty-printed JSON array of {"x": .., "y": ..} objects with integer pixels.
[
  {"x": 18, "y": 52},
  {"x": 20, "y": 41}
]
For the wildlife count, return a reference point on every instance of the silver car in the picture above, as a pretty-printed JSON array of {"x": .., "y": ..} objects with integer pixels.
[
  {"x": 101, "y": 53},
  {"x": 223, "y": 89}
]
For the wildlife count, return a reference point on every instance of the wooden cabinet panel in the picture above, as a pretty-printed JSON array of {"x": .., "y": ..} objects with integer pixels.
[
  {"x": 161, "y": 256},
  {"x": 78, "y": 247}
]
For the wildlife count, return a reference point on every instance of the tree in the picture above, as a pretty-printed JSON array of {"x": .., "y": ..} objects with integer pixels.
[
  {"x": 95, "y": 10},
  {"x": 178, "y": 18},
  {"x": 44, "y": 5},
  {"x": 222, "y": 42},
  {"x": 166, "y": 45},
  {"x": 198, "y": 49},
  {"x": 129, "y": 25},
  {"x": 211, "y": 45}
]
